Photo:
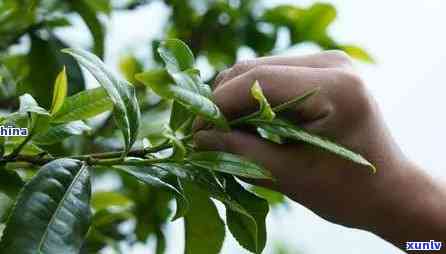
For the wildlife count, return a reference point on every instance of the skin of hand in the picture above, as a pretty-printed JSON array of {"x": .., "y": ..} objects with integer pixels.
[{"x": 399, "y": 203}]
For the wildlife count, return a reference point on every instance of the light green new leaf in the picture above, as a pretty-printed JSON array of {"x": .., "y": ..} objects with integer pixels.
[
  {"x": 248, "y": 229},
  {"x": 358, "y": 53},
  {"x": 204, "y": 229},
  {"x": 265, "y": 110},
  {"x": 288, "y": 130},
  {"x": 60, "y": 91},
  {"x": 52, "y": 213},
  {"x": 122, "y": 93},
  {"x": 83, "y": 105},
  {"x": 177, "y": 55},
  {"x": 228, "y": 163},
  {"x": 274, "y": 198},
  {"x": 129, "y": 66},
  {"x": 193, "y": 102},
  {"x": 57, "y": 133}
]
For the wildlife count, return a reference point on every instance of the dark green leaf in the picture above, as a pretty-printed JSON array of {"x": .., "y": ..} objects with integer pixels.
[
  {"x": 228, "y": 163},
  {"x": 179, "y": 150},
  {"x": 88, "y": 14},
  {"x": 248, "y": 229},
  {"x": 179, "y": 116},
  {"x": 57, "y": 133},
  {"x": 288, "y": 130},
  {"x": 83, "y": 105},
  {"x": 52, "y": 214},
  {"x": 121, "y": 92},
  {"x": 156, "y": 176},
  {"x": 194, "y": 102},
  {"x": 205, "y": 231},
  {"x": 40, "y": 80},
  {"x": 177, "y": 55},
  {"x": 10, "y": 185},
  {"x": 100, "y": 5}
]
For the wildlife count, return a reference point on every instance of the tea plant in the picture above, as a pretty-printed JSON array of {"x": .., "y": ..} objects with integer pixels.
[
  {"x": 146, "y": 144},
  {"x": 52, "y": 213}
]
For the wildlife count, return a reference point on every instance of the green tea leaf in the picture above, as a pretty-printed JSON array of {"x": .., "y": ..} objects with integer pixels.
[
  {"x": 10, "y": 185},
  {"x": 87, "y": 11},
  {"x": 154, "y": 176},
  {"x": 28, "y": 104},
  {"x": 129, "y": 66},
  {"x": 52, "y": 214},
  {"x": 83, "y": 105},
  {"x": 179, "y": 117},
  {"x": 228, "y": 163},
  {"x": 58, "y": 133},
  {"x": 100, "y": 5},
  {"x": 177, "y": 55},
  {"x": 205, "y": 230},
  {"x": 265, "y": 110},
  {"x": 248, "y": 229},
  {"x": 274, "y": 198},
  {"x": 106, "y": 199},
  {"x": 299, "y": 100},
  {"x": 358, "y": 53},
  {"x": 288, "y": 130},
  {"x": 179, "y": 151},
  {"x": 39, "y": 83},
  {"x": 193, "y": 102},
  {"x": 122, "y": 93},
  {"x": 39, "y": 117},
  {"x": 60, "y": 91}
]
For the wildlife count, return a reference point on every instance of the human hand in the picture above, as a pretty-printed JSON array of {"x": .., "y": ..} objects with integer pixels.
[{"x": 344, "y": 111}]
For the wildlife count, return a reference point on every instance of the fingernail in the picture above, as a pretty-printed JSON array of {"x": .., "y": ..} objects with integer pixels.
[{"x": 209, "y": 140}]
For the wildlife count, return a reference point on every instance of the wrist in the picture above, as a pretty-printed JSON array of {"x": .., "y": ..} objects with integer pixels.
[{"x": 410, "y": 207}]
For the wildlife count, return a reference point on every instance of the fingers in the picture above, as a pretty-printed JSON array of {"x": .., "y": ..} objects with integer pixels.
[
  {"x": 326, "y": 59},
  {"x": 280, "y": 84}
]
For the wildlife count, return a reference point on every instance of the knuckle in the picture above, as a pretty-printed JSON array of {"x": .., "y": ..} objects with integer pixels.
[
  {"x": 259, "y": 71},
  {"x": 221, "y": 77},
  {"x": 355, "y": 92},
  {"x": 339, "y": 58},
  {"x": 240, "y": 67}
]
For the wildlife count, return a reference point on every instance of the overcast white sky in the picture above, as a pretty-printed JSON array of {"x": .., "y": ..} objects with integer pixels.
[{"x": 408, "y": 40}]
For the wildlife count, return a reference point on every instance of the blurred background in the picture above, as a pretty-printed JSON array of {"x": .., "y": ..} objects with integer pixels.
[{"x": 406, "y": 42}]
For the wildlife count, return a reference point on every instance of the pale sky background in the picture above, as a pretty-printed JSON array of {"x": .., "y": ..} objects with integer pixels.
[{"x": 407, "y": 38}]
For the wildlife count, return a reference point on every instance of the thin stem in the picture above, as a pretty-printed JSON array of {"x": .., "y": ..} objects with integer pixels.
[
  {"x": 19, "y": 148},
  {"x": 296, "y": 101},
  {"x": 279, "y": 108}
]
